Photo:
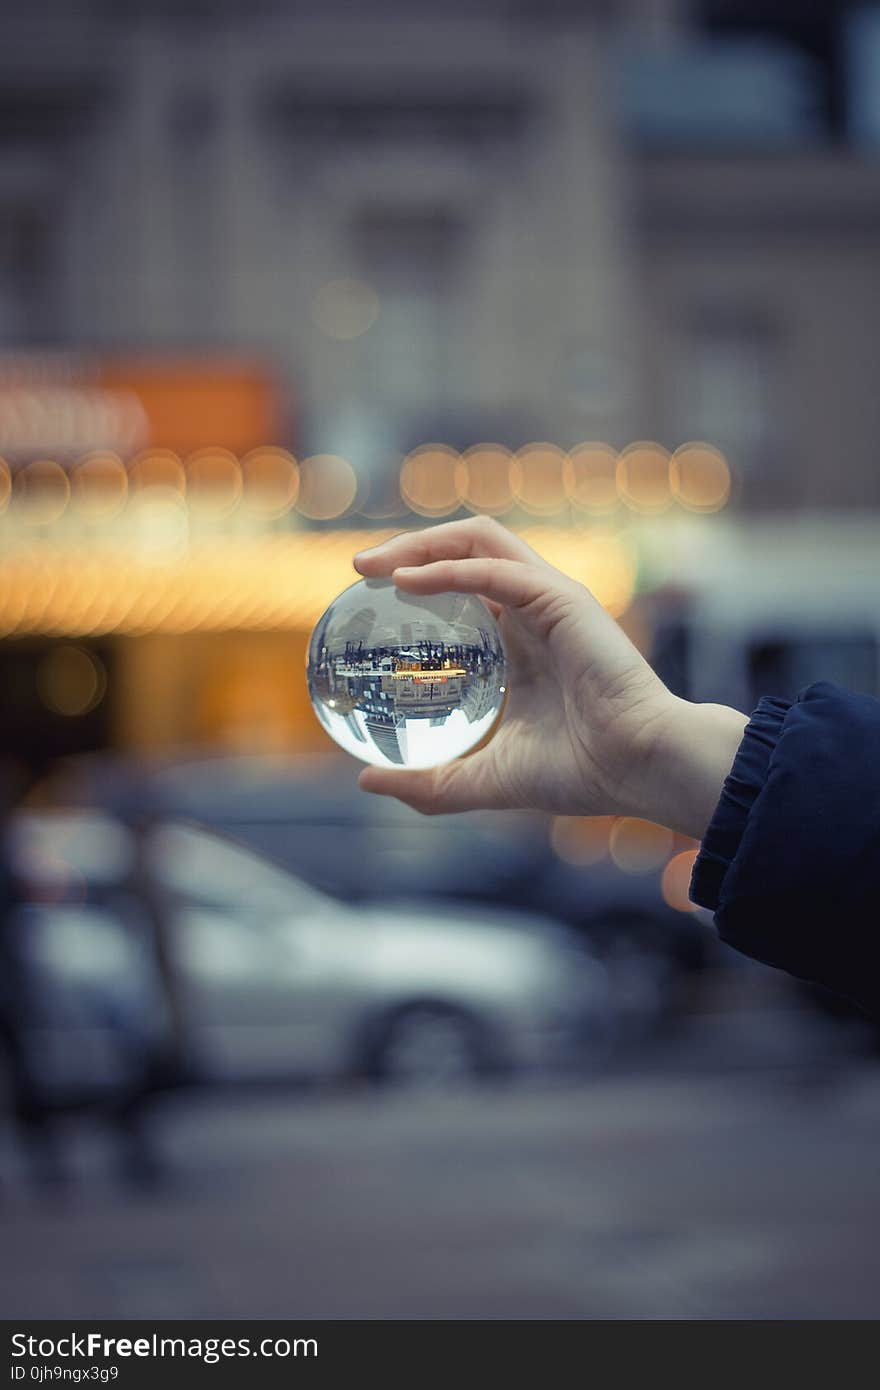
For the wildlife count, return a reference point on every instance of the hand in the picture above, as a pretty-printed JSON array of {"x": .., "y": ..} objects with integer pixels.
[{"x": 589, "y": 729}]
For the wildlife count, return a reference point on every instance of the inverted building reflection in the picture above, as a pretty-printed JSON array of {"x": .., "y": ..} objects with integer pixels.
[{"x": 436, "y": 686}]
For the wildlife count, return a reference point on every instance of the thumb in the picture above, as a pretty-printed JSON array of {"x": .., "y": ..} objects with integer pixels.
[{"x": 468, "y": 784}]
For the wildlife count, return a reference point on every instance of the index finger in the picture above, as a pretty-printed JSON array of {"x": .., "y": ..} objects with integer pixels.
[{"x": 477, "y": 538}]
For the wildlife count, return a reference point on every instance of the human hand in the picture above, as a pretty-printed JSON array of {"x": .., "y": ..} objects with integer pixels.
[{"x": 590, "y": 729}]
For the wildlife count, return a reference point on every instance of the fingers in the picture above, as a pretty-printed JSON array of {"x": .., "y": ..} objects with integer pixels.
[
  {"x": 507, "y": 582},
  {"x": 454, "y": 540},
  {"x": 466, "y": 785}
]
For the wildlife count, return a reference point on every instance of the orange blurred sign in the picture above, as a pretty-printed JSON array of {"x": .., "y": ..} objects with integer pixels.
[
  {"x": 62, "y": 406},
  {"x": 190, "y": 403}
]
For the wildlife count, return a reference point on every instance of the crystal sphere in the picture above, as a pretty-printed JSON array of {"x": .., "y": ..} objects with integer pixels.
[{"x": 401, "y": 681}]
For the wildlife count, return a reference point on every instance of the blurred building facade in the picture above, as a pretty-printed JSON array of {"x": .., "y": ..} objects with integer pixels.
[
  {"x": 566, "y": 222},
  {"x": 349, "y": 233},
  {"x": 185, "y": 181}
]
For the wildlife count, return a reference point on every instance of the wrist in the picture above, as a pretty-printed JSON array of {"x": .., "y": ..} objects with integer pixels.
[{"x": 691, "y": 751}]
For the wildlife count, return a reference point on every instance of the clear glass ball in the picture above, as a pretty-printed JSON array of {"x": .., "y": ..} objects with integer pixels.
[{"x": 401, "y": 681}]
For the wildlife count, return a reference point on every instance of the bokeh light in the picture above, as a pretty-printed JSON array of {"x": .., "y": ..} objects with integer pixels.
[
  {"x": 345, "y": 309},
  {"x": 157, "y": 468},
  {"x": 591, "y": 477},
  {"x": 699, "y": 477},
  {"x": 581, "y": 840},
  {"x": 327, "y": 487},
  {"x": 484, "y": 481},
  {"x": 538, "y": 479},
  {"x": 158, "y": 522},
  {"x": 99, "y": 485},
  {"x": 677, "y": 879},
  {"x": 71, "y": 681},
  {"x": 643, "y": 477},
  {"x": 637, "y": 846},
  {"x": 270, "y": 482},
  {"x": 429, "y": 480},
  {"x": 43, "y": 488},
  {"x": 213, "y": 482}
]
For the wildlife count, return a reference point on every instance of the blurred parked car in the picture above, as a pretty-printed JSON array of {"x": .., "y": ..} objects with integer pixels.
[
  {"x": 279, "y": 979},
  {"x": 310, "y": 815}
]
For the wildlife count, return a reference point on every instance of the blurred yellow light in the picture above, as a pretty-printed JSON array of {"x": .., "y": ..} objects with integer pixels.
[
  {"x": 5, "y": 484},
  {"x": 71, "y": 681},
  {"x": 581, "y": 840},
  {"x": 483, "y": 479},
  {"x": 637, "y": 846},
  {"x": 643, "y": 477},
  {"x": 599, "y": 559},
  {"x": 699, "y": 477},
  {"x": 43, "y": 488},
  {"x": 99, "y": 485},
  {"x": 213, "y": 482},
  {"x": 677, "y": 878},
  {"x": 270, "y": 480},
  {"x": 327, "y": 487},
  {"x": 157, "y": 468},
  {"x": 158, "y": 525},
  {"x": 537, "y": 479},
  {"x": 87, "y": 603},
  {"x": 591, "y": 477},
  {"x": 157, "y": 578},
  {"x": 345, "y": 309},
  {"x": 429, "y": 480}
]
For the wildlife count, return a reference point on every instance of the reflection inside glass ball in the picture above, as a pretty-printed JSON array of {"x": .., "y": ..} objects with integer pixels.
[{"x": 404, "y": 681}]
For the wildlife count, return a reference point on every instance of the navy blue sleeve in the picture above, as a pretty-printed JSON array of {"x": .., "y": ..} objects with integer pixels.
[{"x": 790, "y": 864}]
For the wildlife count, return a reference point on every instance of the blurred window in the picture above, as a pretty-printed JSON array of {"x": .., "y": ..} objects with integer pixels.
[
  {"x": 25, "y": 272},
  {"x": 212, "y": 873},
  {"x": 862, "y": 49},
  {"x": 783, "y": 666},
  {"x": 727, "y": 383},
  {"x": 198, "y": 239},
  {"x": 472, "y": 119},
  {"x": 723, "y": 93},
  {"x": 410, "y": 258}
]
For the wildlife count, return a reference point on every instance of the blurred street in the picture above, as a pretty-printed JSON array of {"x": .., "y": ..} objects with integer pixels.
[{"x": 733, "y": 1175}]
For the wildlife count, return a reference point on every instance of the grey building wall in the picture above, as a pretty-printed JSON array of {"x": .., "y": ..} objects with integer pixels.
[{"x": 174, "y": 178}]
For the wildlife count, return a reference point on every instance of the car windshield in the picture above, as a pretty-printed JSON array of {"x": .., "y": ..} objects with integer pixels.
[{"x": 210, "y": 871}]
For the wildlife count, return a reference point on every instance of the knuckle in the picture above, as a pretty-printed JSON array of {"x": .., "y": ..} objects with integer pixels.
[
  {"x": 581, "y": 593},
  {"x": 487, "y": 528},
  {"x": 424, "y": 795}
]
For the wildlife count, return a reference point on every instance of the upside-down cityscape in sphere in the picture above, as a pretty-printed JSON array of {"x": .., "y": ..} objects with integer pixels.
[{"x": 400, "y": 681}]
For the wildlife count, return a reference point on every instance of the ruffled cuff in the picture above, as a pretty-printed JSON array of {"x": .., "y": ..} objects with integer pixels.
[{"x": 741, "y": 787}]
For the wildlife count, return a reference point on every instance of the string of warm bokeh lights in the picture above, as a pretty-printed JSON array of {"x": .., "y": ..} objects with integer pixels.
[
  {"x": 540, "y": 479},
  {"x": 163, "y": 543}
]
